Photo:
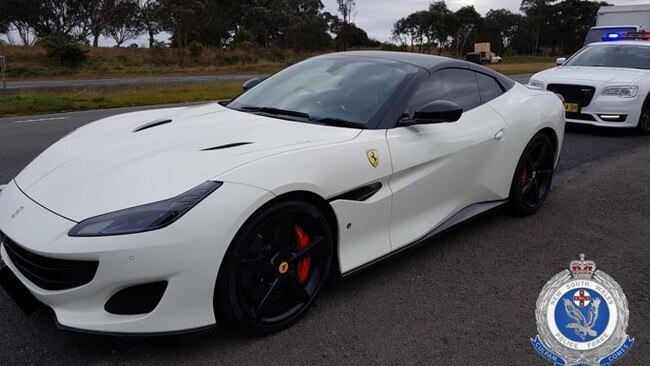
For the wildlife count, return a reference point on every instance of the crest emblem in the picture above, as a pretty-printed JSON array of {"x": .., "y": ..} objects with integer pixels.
[
  {"x": 17, "y": 212},
  {"x": 582, "y": 317},
  {"x": 373, "y": 157}
]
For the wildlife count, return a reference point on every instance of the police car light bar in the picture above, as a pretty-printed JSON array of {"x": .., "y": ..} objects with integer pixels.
[{"x": 615, "y": 36}]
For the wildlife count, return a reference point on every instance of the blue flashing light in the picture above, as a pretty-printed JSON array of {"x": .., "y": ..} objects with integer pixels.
[{"x": 613, "y": 36}]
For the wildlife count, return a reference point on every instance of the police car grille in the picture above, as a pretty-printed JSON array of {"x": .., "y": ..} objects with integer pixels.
[
  {"x": 581, "y": 94},
  {"x": 49, "y": 273}
]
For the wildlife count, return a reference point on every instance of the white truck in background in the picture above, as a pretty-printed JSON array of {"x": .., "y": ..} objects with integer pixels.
[{"x": 619, "y": 19}]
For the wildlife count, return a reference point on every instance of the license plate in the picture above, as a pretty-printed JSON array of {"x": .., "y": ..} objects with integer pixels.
[{"x": 571, "y": 107}]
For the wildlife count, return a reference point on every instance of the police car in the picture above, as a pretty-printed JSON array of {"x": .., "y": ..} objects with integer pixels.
[{"x": 605, "y": 83}]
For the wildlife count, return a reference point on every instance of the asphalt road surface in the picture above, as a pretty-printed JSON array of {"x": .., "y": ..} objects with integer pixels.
[{"x": 466, "y": 298}]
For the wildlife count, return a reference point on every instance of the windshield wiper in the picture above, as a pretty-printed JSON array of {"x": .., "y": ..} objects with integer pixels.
[
  {"x": 276, "y": 111},
  {"x": 330, "y": 121}
]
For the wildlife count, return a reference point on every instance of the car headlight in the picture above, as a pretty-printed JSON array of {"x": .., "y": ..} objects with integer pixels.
[
  {"x": 624, "y": 91},
  {"x": 536, "y": 84},
  {"x": 152, "y": 216}
]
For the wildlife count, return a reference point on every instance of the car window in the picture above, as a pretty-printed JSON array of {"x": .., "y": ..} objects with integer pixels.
[
  {"x": 612, "y": 55},
  {"x": 489, "y": 87},
  {"x": 454, "y": 85},
  {"x": 352, "y": 89}
]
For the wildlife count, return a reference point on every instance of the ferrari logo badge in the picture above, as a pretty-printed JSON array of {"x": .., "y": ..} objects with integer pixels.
[
  {"x": 284, "y": 266},
  {"x": 373, "y": 157},
  {"x": 17, "y": 212}
]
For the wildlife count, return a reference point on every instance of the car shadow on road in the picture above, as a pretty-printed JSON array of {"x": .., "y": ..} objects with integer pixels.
[{"x": 600, "y": 131}]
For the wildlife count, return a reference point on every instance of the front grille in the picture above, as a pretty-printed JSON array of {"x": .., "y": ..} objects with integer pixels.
[
  {"x": 580, "y": 94},
  {"x": 49, "y": 273},
  {"x": 580, "y": 116}
]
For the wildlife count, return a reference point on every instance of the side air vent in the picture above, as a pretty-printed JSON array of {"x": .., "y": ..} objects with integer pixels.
[
  {"x": 152, "y": 125},
  {"x": 359, "y": 194},
  {"x": 227, "y": 146}
]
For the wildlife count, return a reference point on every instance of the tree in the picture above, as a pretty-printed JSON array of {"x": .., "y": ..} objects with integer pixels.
[
  {"x": 347, "y": 10},
  {"x": 179, "y": 18},
  {"x": 64, "y": 48},
  {"x": 147, "y": 11},
  {"x": 538, "y": 14},
  {"x": 5, "y": 17},
  {"x": 499, "y": 28},
  {"x": 467, "y": 23},
  {"x": 99, "y": 14},
  {"x": 44, "y": 17},
  {"x": 124, "y": 23},
  {"x": 571, "y": 23},
  {"x": 441, "y": 25}
]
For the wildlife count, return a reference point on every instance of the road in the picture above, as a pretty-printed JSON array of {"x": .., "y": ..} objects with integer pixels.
[
  {"x": 121, "y": 82},
  {"x": 466, "y": 298}
]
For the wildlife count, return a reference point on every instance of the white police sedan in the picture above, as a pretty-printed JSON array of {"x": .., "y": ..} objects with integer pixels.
[{"x": 604, "y": 84}]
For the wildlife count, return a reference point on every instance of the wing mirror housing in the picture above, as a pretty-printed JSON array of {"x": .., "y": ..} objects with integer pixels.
[
  {"x": 439, "y": 111},
  {"x": 560, "y": 61},
  {"x": 250, "y": 83}
]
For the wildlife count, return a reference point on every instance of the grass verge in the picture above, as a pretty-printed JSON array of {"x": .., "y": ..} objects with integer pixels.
[
  {"x": 48, "y": 102},
  {"x": 522, "y": 68}
]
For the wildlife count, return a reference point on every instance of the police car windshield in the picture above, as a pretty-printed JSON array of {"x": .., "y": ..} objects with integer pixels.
[{"x": 613, "y": 55}]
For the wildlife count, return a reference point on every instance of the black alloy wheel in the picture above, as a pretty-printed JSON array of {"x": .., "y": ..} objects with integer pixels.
[
  {"x": 275, "y": 267},
  {"x": 533, "y": 176},
  {"x": 643, "y": 127}
]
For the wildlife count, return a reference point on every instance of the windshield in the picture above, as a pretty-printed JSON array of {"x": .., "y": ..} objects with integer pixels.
[
  {"x": 329, "y": 90},
  {"x": 598, "y": 34},
  {"x": 613, "y": 55}
]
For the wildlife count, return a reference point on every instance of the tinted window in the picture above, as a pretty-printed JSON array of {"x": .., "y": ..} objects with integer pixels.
[
  {"x": 489, "y": 87},
  {"x": 455, "y": 85}
]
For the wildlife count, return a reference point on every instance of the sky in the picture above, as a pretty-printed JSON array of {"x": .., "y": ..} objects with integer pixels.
[{"x": 377, "y": 17}]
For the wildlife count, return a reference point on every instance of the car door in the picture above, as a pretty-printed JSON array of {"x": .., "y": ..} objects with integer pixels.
[{"x": 441, "y": 168}]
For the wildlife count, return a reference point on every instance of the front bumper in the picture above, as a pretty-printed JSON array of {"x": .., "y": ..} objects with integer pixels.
[
  {"x": 602, "y": 105},
  {"x": 186, "y": 254}
]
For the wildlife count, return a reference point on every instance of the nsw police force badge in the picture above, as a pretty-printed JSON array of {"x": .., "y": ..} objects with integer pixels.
[{"x": 582, "y": 317}]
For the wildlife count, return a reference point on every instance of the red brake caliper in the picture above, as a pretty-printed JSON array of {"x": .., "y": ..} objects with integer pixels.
[
  {"x": 302, "y": 240},
  {"x": 524, "y": 172}
]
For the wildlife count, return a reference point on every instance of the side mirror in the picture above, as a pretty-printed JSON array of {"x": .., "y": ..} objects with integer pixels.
[
  {"x": 560, "y": 61},
  {"x": 251, "y": 83},
  {"x": 438, "y": 111}
]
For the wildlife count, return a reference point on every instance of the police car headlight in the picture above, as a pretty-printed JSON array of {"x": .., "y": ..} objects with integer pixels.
[
  {"x": 625, "y": 91},
  {"x": 536, "y": 84}
]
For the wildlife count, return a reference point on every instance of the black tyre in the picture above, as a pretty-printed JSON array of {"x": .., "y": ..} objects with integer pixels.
[
  {"x": 643, "y": 127},
  {"x": 275, "y": 267},
  {"x": 533, "y": 176}
]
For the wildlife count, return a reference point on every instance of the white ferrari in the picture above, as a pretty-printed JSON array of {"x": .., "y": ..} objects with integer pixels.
[
  {"x": 604, "y": 84},
  {"x": 175, "y": 219}
]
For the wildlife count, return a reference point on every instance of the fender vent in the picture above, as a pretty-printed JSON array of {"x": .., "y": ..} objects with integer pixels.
[
  {"x": 227, "y": 146},
  {"x": 359, "y": 194},
  {"x": 152, "y": 125}
]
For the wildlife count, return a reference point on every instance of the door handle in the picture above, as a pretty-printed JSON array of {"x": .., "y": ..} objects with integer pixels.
[{"x": 499, "y": 135}]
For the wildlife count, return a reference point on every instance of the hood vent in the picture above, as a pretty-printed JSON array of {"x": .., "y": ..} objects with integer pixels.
[
  {"x": 152, "y": 125},
  {"x": 221, "y": 147}
]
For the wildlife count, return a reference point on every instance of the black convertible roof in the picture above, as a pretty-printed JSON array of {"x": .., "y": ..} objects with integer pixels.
[{"x": 428, "y": 62}]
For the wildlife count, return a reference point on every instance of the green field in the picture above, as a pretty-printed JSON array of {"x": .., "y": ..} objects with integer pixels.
[{"x": 35, "y": 103}]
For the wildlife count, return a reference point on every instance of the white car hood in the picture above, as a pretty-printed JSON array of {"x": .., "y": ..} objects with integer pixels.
[
  {"x": 584, "y": 74},
  {"x": 106, "y": 166}
]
